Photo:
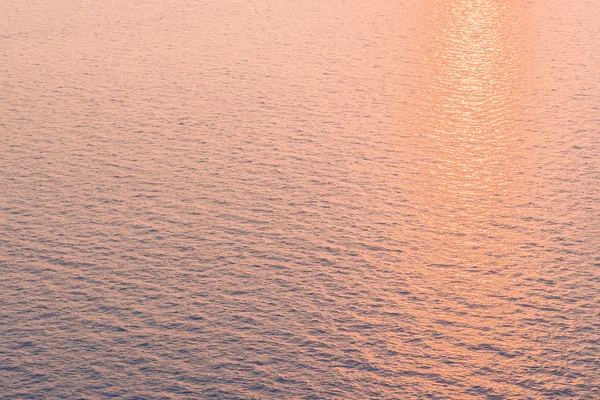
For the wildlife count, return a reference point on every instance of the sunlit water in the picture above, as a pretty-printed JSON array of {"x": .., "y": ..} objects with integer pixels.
[{"x": 300, "y": 199}]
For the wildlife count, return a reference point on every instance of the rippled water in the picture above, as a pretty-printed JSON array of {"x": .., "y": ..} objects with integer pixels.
[{"x": 285, "y": 199}]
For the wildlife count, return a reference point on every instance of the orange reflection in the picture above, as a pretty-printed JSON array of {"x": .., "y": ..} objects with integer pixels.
[{"x": 472, "y": 136}]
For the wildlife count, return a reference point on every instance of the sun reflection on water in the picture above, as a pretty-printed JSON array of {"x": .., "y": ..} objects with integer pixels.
[{"x": 472, "y": 130}]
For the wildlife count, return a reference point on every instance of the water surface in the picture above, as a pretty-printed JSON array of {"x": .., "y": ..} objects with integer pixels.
[{"x": 283, "y": 199}]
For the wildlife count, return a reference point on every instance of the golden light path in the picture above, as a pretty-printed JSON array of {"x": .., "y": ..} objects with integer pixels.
[
  {"x": 471, "y": 128},
  {"x": 473, "y": 153}
]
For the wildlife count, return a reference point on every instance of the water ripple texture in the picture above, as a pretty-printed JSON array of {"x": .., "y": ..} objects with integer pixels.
[{"x": 300, "y": 199}]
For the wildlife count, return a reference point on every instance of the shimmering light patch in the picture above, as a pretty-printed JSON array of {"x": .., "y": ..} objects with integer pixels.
[{"x": 471, "y": 131}]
